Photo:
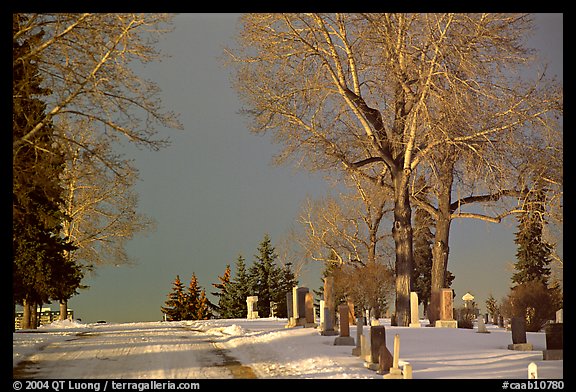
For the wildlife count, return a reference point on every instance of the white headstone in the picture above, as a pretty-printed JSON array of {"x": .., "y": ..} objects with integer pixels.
[
  {"x": 560, "y": 316},
  {"x": 532, "y": 371}
]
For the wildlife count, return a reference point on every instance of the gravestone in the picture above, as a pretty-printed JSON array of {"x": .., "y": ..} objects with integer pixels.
[
  {"x": 309, "y": 311},
  {"x": 289, "y": 305},
  {"x": 377, "y": 339},
  {"x": 322, "y": 326},
  {"x": 532, "y": 371},
  {"x": 481, "y": 325},
  {"x": 501, "y": 321},
  {"x": 357, "y": 351},
  {"x": 446, "y": 310},
  {"x": 252, "y": 304},
  {"x": 560, "y": 316},
  {"x": 365, "y": 350},
  {"x": 554, "y": 342},
  {"x": 329, "y": 307},
  {"x": 414, "y": 319},
  {"x": 395, "y": 371},
  {"x": 344, "y": 339},
  {"x": 518, "y": 325}
]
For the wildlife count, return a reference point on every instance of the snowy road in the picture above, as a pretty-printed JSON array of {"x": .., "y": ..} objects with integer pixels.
[{"x": 154, "y": 351}]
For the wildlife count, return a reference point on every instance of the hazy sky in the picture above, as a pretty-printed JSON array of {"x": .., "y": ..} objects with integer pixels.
[{"x": 214, "y": 192}]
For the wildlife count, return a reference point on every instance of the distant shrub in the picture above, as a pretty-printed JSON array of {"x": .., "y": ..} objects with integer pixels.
[
  {"x": 533, "y": 301},
  {"x": 466, "y": 317}
]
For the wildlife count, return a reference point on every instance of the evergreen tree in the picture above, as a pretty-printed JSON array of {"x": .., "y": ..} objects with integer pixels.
[
  {"x": 239, "y": 289},
  {"x": 263, "y": 276},
  {"x": 175, "y": 306},
  {"x": 225, "y": 297},
  {"x": 40, "y": 268},
  {"x": 192, "y": 304},
  {"x": 286, "y": 283},
  {"x": 533, "y": 254},
  {"x": 203, "y": 307},
  {"x": 423, "y": 240}
]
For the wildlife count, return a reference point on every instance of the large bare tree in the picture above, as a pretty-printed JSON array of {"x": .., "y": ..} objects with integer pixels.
[
  {"x": 369, "y": 94},
  {"x": 87, "y": 62}
]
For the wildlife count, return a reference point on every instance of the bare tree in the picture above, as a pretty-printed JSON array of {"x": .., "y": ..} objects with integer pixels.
[
  {"x": 347, "y": 228},
  {"x": 86, "y": 61},
  {"x": 378, "y": 94}
]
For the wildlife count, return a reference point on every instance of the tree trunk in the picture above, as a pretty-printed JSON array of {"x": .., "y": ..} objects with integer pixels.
[
  {"x": 63, "y": 310},
  {"x": 402, "y": 234},
  {"x": 440, "y": 250},
  {"x": 33, "y": 316},
  {"x": 25, "y": 323}
]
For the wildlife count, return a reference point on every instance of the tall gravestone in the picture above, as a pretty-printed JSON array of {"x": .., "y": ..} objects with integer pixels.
[
  {"x": 519, "y": 343},
  {"x": 357, "y": 351},
  {"x": 446, "y": 310},
  {"x": 414, "y": 319},
  {"x": 329, "y": 307},
  {"x": 344, "y": 339}
]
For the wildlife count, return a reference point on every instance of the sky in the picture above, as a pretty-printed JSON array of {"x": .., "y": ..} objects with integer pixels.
[{"x": 214, "y": 192}]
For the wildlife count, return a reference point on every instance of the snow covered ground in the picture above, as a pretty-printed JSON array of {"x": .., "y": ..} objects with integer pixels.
[{"x": 262, "y": 348}]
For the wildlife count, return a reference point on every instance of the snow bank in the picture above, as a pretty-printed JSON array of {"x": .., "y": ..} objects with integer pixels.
[{"x": 64, "y": 324}]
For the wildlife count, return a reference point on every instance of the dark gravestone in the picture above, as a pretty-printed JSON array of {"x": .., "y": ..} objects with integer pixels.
[
  {"x": 301, "y": 301},
  {"x": 289, "y": 305},
  {"x": 377, "y": 340},
  {"x": 518, "y": 325},
  {"x": 554, "y": 336},
  {"x": 554, "y": 342},
  {"x": 518, "y": 330}
]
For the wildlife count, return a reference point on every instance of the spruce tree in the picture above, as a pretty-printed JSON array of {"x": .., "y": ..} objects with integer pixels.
[
  {"x": 224, "y": 294},
  {"x": 263, "y": 276},
  {"x": 534, "y": 254},
  {"x": 175, "y": 305},
  {"x": 203, "y": 308},
  {"x": 40, "y": 269},
  {"x": 239, "y": 289}
]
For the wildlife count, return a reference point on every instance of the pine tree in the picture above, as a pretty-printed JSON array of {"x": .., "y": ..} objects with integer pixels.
[
  {"x": 533, "y": 254},
  {"x": 203, "y": 308},
  {"x": 239, "y": 289},
  {"x": 287, "y": 281},
  {"x": 40, "y": 269},
  {"x": 423, "y": 239},
  {"x": 192, "y": 299},
  {"x": 175, "y": 306},
  {"x": 225, "y": 298},
  {"x": 266, "y": 277}
]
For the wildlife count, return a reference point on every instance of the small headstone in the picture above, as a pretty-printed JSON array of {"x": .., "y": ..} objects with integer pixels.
[
  {"x": 518, "y": 325},
  {"x": 560, "y": 316},
  {"x": 481, "y": 325},
  {"x": 344, "y": 339},
  {"x": 554, "y": 342},
  {"x": 501, "y": 321},
  {"x": 532, "y": 371},
  {"x": 414, "y": 319},
  {"x": 407, "y": 371},
  {"x": 251, "y": 303}
]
